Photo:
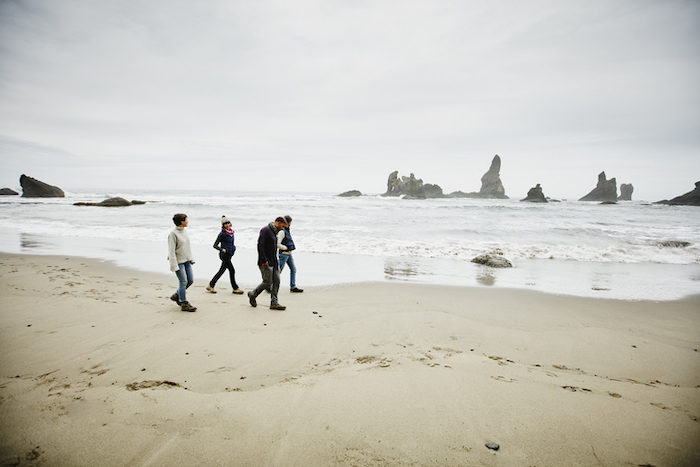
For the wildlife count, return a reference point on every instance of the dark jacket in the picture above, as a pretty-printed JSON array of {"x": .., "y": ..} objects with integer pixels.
[
  {"x": 225, "y": 242},
  {"x": 287, "y": 240},
  {"x": 267, "y": 246}
]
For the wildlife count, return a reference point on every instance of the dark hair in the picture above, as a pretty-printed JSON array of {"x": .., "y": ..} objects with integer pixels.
[
  {"x": 288, "y": 219},
  {"x": 281, "y": 219},
  {"x": 179, "y": 219}
]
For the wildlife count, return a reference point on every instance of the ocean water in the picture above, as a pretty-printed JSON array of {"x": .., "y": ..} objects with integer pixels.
[{"x": 630, "y": 250}]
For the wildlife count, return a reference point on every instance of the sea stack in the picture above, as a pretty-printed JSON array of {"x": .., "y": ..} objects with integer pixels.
[
  {"x": 33, "y": 188},
  {"x": 491, "y": 185},
  {"x": 606, "y": 190},
  {"x": 411, "y": 187},
  {"x": 535, "y": 195},
  {"x": 692, "y": 198},
  {"x": 626, "y": 190}
]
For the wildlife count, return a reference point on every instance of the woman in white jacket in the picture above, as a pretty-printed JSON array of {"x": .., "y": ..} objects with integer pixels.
[{"x": 181, "y": 260}]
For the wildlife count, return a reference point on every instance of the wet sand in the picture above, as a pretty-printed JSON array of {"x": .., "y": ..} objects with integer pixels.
[{"x": 99, "y": 367}]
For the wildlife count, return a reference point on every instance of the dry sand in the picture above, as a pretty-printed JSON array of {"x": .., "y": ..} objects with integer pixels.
[{"x": 99, "y": 367}]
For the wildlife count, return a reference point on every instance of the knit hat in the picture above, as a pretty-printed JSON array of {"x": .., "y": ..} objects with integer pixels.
[{"x": 224, "y": 220}]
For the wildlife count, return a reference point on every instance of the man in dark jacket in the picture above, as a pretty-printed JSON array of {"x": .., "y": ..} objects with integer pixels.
[{"x": 268, "y": 264}]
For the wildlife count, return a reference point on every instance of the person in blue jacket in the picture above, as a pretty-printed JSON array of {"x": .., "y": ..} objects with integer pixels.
[
  {"x": 285, "y": 244},
  {"x": 225, "y": 244}
]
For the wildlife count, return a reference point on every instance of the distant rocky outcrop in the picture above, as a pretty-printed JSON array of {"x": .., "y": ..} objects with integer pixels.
[
  {"x": 491, "y": 185},
  {"x": 494, "y": 259},
  {"x": 112, "y": 202},
  {"x": 626, "y": 190},
  {"x": 411, "y": 187},
  {"x": 606, "y": 190},
  {"x": 350, "y": 194},
  {"x": 33, "y": 188},
  {"x": 8, "y": 192},
  {"x": 692, "y": 198},
  {"x": 535, "y": 195}
]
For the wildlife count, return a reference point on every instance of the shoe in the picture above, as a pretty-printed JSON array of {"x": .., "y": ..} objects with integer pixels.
[
  {"x": 175, "y": 298},
  {"x": 185, "y": 306},
  {"x": 277, "y": 306},
  {"x": 296, "y": 289},
  {"x": 211, "y": 289},
  {"x": 251, "y": 299},
  {"x": 238, "y": 291}
]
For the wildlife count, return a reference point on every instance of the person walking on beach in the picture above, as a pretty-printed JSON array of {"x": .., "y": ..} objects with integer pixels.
[
  {"x": 225, "y": 244},
  {"x": 268, "y": 264},
  {"x": 285, "y": 244},
  {"x": 181, "y": 260}
]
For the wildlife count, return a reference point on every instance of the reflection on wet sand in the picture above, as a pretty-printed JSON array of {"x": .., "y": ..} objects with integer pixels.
[
  {"x": 31, "y": 242},
  {"x": 400, "y": 269},
  {"x": 485, "y": 277}
]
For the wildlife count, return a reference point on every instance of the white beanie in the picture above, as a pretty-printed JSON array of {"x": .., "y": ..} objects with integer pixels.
[{"x": 224, "y": 220}]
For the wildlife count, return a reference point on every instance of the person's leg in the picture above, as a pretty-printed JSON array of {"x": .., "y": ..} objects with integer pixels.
[
  {"x": 292, "y": 272},
  {"x": 275, "y": 285},
  {"x": 190, "y": 274},
  {"x": 266, "y": 281},
  {"x": 182, "y": 278},
  {"x": 218, "y": 275},
  {"x": 231, "y": 273},
  {"x": 283, "y": 260}
]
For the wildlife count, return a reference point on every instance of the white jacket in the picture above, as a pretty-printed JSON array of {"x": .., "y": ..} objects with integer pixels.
[{"x": 179, "y": 250}]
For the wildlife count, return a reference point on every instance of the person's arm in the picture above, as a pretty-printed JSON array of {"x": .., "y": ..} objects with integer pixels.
[
  {"x": 280, "y": 237},
  {"x": 172, "y": 256},
  {"x": 218, "y": 242}
]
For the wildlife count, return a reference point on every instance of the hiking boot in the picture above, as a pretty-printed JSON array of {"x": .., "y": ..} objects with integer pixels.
[
  {"x": 238, "y": 291},
  {"x": 296, "y": 289},
  {"x": 185, "y": 306},
  {"x": 251, "y": 299},
  {"x": 277, "y": 306},
  {"x": 175, "y": 298},
  {"x": 211, "y": 289}
]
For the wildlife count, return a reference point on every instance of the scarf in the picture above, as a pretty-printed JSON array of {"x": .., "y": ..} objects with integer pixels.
[{"x": 228, "y": 231}]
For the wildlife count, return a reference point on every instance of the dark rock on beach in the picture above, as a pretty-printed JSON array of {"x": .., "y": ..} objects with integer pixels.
[
  {"x": 605, "y": 190},
  {"x": 626, "y": 190},
  {"x": 675, "y": 244},
  {"x": 33, "y": 188},
  {"x": 692, "y": 198},
  {"x": 350, "y": 194},
  {"x": 8, "y": 192},
  {"x": 494, "y": 259},
  {"x": 535, "y": 195},
  {"x": 112, "y": 202},
  {"x": 411, "y": 187}
]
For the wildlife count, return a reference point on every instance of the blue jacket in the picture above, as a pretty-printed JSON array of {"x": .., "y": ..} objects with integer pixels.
[
  {"x": 225, "y": 242},
  {"x": 267, "y": 246},
  {"x": 287, "y": 240}
]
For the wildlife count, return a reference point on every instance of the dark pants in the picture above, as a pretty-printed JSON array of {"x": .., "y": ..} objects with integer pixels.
[
  {"x": 270, "y": 281},
  {"x": 225, "y": 264}
]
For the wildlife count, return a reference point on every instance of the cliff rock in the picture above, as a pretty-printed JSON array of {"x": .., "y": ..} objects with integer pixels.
[
  {"x": 626, "y": 190},
  {"x": 411, "y": 187},
  {"x": 535, "y": 195},
  {"x": 606, "y": 190},
  {"x": 8, "y": 192},
  {"x": 33, "y": 188},
  {"x": 692, "y": 198}
]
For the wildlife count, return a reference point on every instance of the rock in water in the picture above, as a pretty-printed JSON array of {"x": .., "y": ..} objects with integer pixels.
[
  {"x": 110, "y": 202},
  {"x": 535, "y": 195},
  {"x": 351, "y": 193},
  {"x": 33, "y": 188},
  {"x": 626, "y": 190},
  {"x": 494, "y": 259},
  {"x": 491, "y": 186},
  {"x": 606, "y": 190},
  {"x": 8, "y": 192},
  {"x": 411, "y": 187},
  {"x": 692, "y": 198}
]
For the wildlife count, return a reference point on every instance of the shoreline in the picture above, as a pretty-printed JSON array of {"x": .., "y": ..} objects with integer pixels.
[
  {"x": 627, "y": 281},
  {"x": 100, "y": 367}
]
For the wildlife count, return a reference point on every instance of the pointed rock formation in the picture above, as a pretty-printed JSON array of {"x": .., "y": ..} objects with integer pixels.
[
  {"x": 606, "y": 190},
  {"x": 535, "y": 195},
  {"x": 491, "y": 186},
  {"x": 626, "y": 190},
  {"x": 33, "y": 188},
  {"x": 692, "y": 198}
]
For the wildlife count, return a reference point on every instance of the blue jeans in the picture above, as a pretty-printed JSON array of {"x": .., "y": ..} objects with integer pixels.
[
  {"x": 184, "y": 275},
  {"x": 287, "y": 259}
]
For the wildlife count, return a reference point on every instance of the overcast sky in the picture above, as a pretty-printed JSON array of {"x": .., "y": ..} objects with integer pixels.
[{"x": 330, "y": 96}]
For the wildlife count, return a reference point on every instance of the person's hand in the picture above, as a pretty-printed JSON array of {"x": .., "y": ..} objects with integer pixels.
[
  {"x": 264, "y": 264},
  {"x": 224, "y": 250},
  {"x": 191, "y": 262}
]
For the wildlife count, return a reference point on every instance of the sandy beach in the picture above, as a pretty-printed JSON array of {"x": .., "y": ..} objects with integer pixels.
[{"x": 99, "y": 367}]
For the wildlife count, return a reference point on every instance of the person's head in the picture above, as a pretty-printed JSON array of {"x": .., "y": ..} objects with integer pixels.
[
  {"x": 280, "y": 223},
  {"x": 179, "y": 219},
  {"x": 225, "y": 223},
  {"x": 288, "y": 220}
]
